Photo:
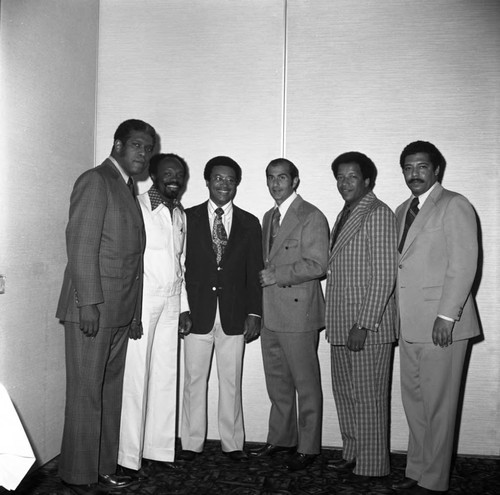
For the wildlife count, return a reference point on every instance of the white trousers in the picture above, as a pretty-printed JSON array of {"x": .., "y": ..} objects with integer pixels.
[
  {"x": 198, "y": 350},
  {"x": 148, "y": 418}
]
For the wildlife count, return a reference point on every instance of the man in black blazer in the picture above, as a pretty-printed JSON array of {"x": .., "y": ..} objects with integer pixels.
[{"x": 223, "y": 260}]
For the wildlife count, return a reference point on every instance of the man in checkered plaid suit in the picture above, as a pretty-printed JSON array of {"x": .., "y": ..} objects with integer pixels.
[{"x": 360, "y": 316}]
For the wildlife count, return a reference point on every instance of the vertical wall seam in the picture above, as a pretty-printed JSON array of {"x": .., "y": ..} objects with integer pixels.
[
  {"x": 284, "y": 89},
  {"x": 96, "y": 83}
]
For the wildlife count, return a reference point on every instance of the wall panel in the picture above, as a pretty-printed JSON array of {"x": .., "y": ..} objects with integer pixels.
[
  {"x": 374, "y": 76},
  {"x": 49, "y": 52},
  {"x": 208, "y": 76}
]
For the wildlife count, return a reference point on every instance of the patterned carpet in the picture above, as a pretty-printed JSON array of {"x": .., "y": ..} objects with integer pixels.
[{"x": 212, "y": 473}]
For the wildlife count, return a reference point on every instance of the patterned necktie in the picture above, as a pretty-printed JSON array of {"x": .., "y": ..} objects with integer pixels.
[
  {"x": 130, "y": 184},
  {"x": 275, "y": 226},
  {"x": 219, "y": 235},
  {"x": 343, "y": 219},
  {"x": 410, "y": 216}
]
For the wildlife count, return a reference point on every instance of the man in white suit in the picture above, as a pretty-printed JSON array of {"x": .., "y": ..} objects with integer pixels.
[
  {"x": 438, "y": 252},
  {"x": 148, "y": 419}
]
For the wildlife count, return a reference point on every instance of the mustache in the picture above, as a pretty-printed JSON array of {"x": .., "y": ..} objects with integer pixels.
[{"x": 415, "y": 180}]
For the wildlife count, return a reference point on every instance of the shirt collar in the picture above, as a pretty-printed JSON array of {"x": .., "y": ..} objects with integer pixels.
[
  {"x": 120, "y": 169},
  {"x": 283, "y": 207},
  {"x": 228, "y": 207},
  {"x": 425, "y": 195},
  {"x": 157, "y": 200}
]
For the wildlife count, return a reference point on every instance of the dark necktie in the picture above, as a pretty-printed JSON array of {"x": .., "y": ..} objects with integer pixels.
[
  {"x": 219, "y": 235},
  {"x": 410, "y": 216},
  {"x": 130, "y": 184},
  {"x": 343, "y": 219},
  {"x": 275, "y": 226}
]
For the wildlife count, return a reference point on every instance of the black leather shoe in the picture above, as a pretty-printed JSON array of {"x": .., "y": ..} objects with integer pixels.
[
  {"x": 300, "y": 461},
  {"x": 342, "y": 465},
  {"x": 269, "y": 450},
  {"x": 236, "y": 455},
  {"x": 114, "y": 481},
  {"x": 90, "y": 489},
  {"x": 187, "y": 455},
  {"x": 404, "y": 484},
  {"x": 135, "y": 474}
]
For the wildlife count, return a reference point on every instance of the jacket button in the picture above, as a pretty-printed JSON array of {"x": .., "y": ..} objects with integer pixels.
[
  {"x": 214, "y": 288},
  {"x": 219, "y": 268},
  {"x": 400, "y": 266},
  {"x": 296, "y": 300}
]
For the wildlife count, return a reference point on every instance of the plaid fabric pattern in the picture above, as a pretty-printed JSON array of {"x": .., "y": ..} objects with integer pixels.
[
  {"x": 360, "y": 382},
  {"x": 361, "y": 274}
]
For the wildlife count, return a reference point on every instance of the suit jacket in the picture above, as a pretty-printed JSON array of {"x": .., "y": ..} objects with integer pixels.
[
  {"x": 437, "y": 267},
  {"x": 235, "y": 283},
  {"x": 362, "y": 273},
  {"x": 299, "y": 254},
  {"x": 105, "y": 243}
]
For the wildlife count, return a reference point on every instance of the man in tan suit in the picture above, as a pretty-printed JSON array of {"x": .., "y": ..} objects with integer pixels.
[
  {"x": 295, "y": 246},
  {"x": 100, "y": 305},
  {"x": 438, "y": 251}
]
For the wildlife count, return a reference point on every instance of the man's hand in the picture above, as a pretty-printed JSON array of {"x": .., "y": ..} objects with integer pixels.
[
  {"x": 267, "y": 276},
  {"x": 135, "y": 330},
  {"x": 356, "y": 339},
  {"x": 251, "y": 329},
  {"x": 89, "y": 320},
  {"x": 442, "y": 332},
  {"x": 185, "y": 324}
]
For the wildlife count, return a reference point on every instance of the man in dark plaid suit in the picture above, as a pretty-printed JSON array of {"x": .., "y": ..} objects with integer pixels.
[
  {"x": 100, "y": 305},
  {"x": 360, "y": 316}
]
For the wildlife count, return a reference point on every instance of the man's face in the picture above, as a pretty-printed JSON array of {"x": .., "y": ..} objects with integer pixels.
[
  {"x": 222, "y": 185},
  {"x": 133, "y": 155},
  {"x": 419, "y": 173},
  {"x": 350, "y": 182},
  {"x": 169, "y": 178},
  {"x": 280, "y": 182}
]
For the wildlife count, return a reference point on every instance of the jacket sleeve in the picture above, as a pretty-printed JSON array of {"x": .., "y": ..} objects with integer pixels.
[
  {"x": 381, "y": 249},
  {"x": 460, "y": 230},
  {"x": 83, "y": 237},
  {"x": 254, "y": 265}
]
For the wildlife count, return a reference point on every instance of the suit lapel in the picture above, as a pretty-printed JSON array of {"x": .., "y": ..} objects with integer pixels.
[
  {"x": 124, "y": 193},
  {"x": 423, "y": 215},
  {"x": 289, "y": 222},
  {"x": 202, "y": 227},
  {"x": 236, "y": 232},
  {"x": 352, "y": 225}
]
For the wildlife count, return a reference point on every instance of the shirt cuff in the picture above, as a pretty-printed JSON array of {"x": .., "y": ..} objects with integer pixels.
[{"x": 447, "y": 318}]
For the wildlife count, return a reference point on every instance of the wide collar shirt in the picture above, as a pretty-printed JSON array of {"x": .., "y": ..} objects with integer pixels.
[
  {"x": 124, "y": 174},
  {"x": 283, "y": 207},
  {"x": 227, "y": 217},
  {"x": 164, "y": 256}
]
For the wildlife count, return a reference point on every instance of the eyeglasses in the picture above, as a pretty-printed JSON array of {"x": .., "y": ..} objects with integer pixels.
[{"x": 219, "y": 179}]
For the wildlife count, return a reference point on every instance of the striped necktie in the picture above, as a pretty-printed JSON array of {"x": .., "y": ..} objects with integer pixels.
[
  {"x": 275, "y": 226},
  {"x": 410, "y": 216}
]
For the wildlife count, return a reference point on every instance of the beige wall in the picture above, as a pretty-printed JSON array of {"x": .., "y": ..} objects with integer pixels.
[
  {"x": 365, "y": 75},
  {"x": 211, "y": 77},
  {"x": 49, "y": 52}
]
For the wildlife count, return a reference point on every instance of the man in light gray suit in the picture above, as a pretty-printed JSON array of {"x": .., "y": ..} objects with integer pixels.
[
  {"x": 100, "y": 305},
  {"x": 437, "y": 264},
  {"x": 295, "y": 246}
]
